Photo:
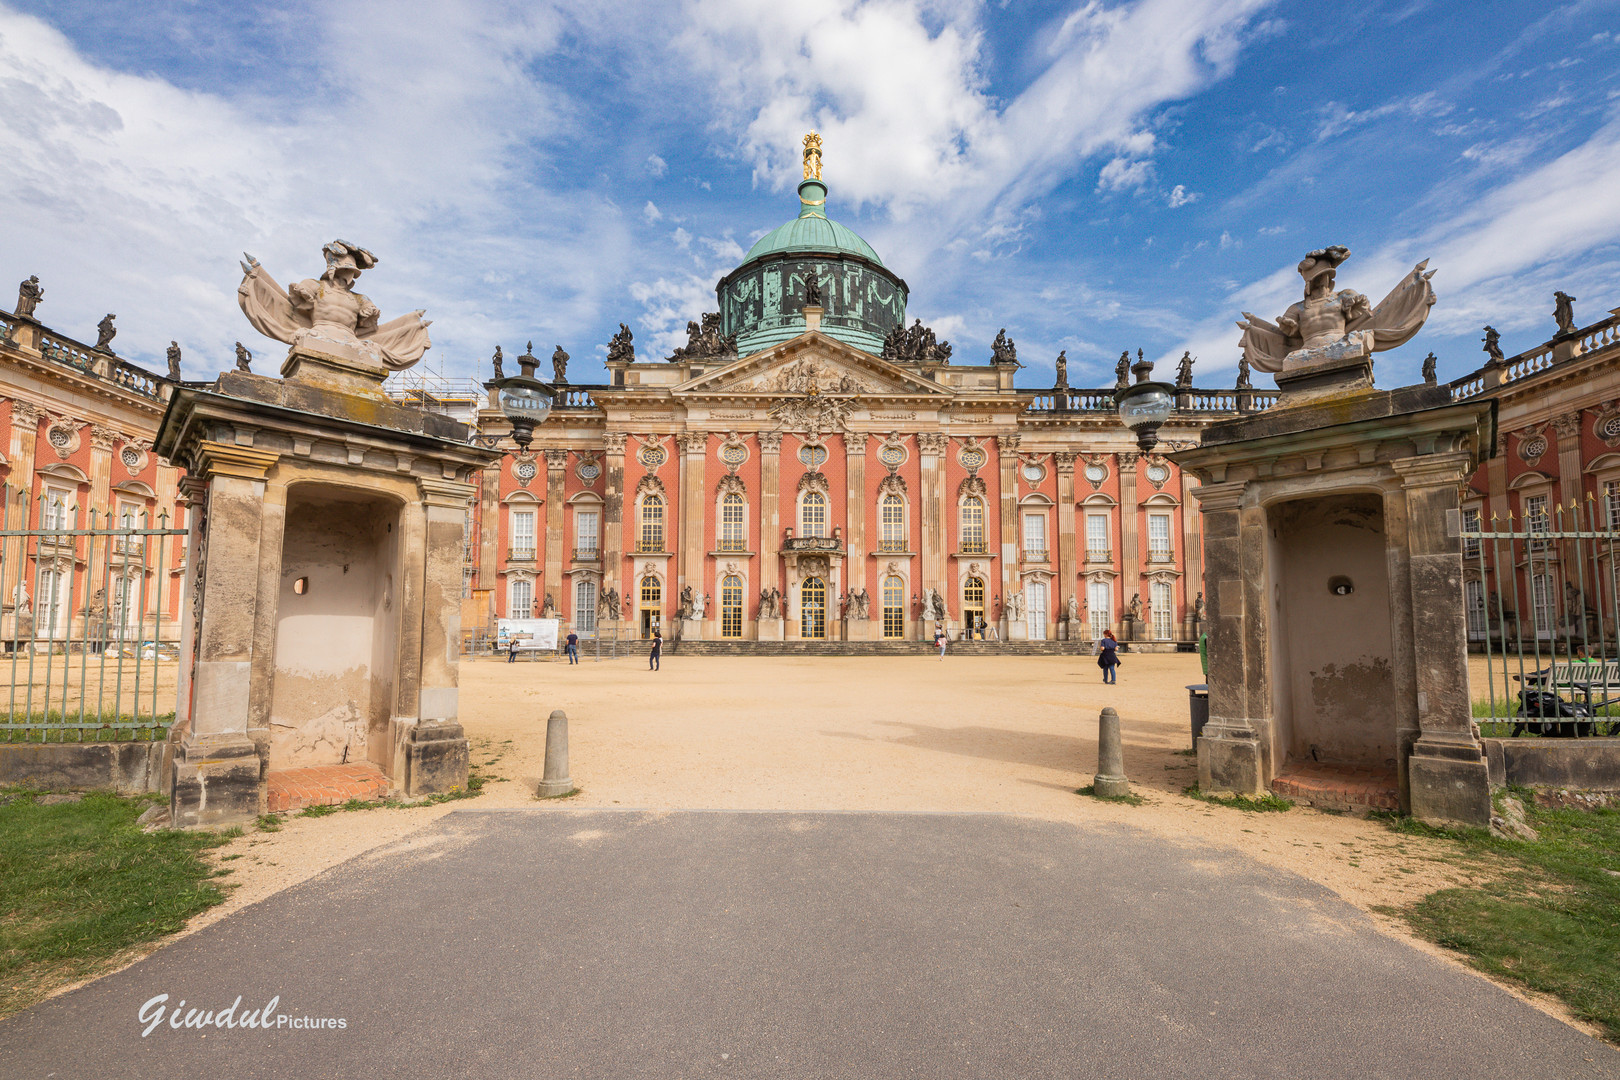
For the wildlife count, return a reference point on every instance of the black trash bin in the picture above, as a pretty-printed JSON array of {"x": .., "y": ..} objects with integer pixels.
[{"x": 1198, "y": 703}]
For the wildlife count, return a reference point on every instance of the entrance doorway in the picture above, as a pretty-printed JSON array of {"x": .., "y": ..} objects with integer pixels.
[
  {"x": 651, "y": 604},
  {"x": 973, "y": 606},
  {"x": 1035, "y": 610},
  {"x": 813, "y": 608}
]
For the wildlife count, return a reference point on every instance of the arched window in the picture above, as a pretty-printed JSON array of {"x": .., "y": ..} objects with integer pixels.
[
  {"x": 585, "y": 606},
  {"x": 732, "y": 537},
  {"x": 892, "y": 523},
  {"x": 520, "y": 599},
  {"x": 894, "y": 606},
  {"x": 813, "y": 608},
  {"x": 731, "y": 606},
  {"x": 652, "y": 523},
  {"x": 973, "y": 525},
  {"x": 813, "y": 515}
]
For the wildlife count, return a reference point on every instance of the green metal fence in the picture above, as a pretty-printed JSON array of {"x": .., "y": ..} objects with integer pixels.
[
  {"x": 1540, "y": 597},
  {"x": 84, "y": 616}
]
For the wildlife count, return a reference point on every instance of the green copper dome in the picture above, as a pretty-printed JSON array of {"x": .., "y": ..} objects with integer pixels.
[
  {"x": 762, "y": 301},
  {"x": 812, "y": 230}
]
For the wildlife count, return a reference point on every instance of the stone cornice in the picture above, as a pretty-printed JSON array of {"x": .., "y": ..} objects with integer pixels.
[
  {"x": 451, "y": 493},
  {"x": 210, "y": 458}
]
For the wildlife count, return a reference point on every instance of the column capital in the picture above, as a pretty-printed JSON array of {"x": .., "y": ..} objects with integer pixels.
[
  {"x": 451, "y": 493},
  {"x": 613, "y": 442},
  {"x": 1008, "y": 444},
  {"x": 556, "y": 460},
  {"x": 102, "y": 437},
  {"x": 1064, "y": 460},
  {"x": 211, "y": 458},
  {"x": 770, "y": 442},
  {"x": 693, "y": 443},
  {"x": 932, "y": 442},
  {"x": 25, "y": 414},
  {"x": 1216, "y": 498},
  {"x": 1568, "y": 425},
  {"x": 855, "y": 443}
]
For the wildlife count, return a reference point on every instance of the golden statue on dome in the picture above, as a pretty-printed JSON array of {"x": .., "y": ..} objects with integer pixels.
[{"x": 812, "y": 156}]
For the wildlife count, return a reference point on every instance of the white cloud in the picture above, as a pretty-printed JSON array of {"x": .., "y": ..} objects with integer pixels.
[
  {"x": 1180, "y": 196},
  {"x": 682, "y": 238},
  {"x": 160, "y": 188},
  {"x": 656, "y": 166},
  {"x": 1123, "y": 175},
  {"x": 651, "y": 212}
]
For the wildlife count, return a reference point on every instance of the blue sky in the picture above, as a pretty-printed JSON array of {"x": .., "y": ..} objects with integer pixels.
[{"x": 1091, "y": 176}]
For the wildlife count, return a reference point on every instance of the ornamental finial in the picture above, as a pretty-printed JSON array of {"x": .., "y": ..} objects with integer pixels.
[{"x": 812, "y": 156}]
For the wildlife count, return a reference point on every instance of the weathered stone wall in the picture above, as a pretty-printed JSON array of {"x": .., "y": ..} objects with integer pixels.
[
  {"x": 1582, "y": 764},
  {"x": 128, "y": 768}
]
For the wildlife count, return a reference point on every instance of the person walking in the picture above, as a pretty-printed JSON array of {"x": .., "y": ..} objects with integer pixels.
[
  {"x": 572, "y": 648},
  {"x": 511, "y": 650},
  {"x": 941, "y": 639},
  {"x": 657, "y": 649},
  {"x": 1108, "y": 656}
]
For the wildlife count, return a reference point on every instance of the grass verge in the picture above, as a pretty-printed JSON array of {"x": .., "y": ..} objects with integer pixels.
[
  {"x": 1129, "y": 800},
  {"x": 1267, "y": 803},
  {"x": 80, "y": 884},
  {"x": 1549, "y": 921}
]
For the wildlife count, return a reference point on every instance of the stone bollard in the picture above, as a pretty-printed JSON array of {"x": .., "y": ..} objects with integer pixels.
[
  {"x": 1110, "y": 782},
  {"x": 557, "y": 780}
]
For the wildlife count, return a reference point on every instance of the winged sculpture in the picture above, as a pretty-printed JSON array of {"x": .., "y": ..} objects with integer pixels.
[
  {"x": 1345, "y": 318},
  {"x": 328, "y": 312}
]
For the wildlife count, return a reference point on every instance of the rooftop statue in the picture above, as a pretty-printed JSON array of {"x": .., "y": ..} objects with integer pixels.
[
  {"x": 1331, "y": 326},
  {"x": 812, "y": 156},
  {"x": 1493, "y": 345},
  {"x": 1431, "y": 376},
  {"x": 812, "y": 293},
  {"x": 1004, "y": 350},
  {"x": 1564, "y": 313},
  {"x": 497, "y": 359},
  {"x": 705, "y": 341},
  {"x": 29, "y": 294},
  {"x": 244, "y": 358},
  {"x": 105, "y": 332},
  {"x": 174, "y": 360},
  {"x": 1122, "y": 371},
  {"x": 917, "y": 345},
  {"x": 620, "y": 349},
  {"x": 559, "y": 365},
  {"x": 1062, "y": 370},
  {"x": 329, "y": 315},
  {"x": 1184, "y": 370}
]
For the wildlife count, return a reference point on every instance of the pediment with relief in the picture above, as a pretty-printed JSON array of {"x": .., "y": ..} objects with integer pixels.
[{"x": 811, "y": 365}]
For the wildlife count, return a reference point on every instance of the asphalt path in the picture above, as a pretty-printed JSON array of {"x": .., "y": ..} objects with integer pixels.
[{"x": 613, "y": 944}]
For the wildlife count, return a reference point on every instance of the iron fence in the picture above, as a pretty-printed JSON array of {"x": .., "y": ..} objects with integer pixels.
[
  {"x": 1540, "y": 599},
  {"x": 86, "y": 601}
]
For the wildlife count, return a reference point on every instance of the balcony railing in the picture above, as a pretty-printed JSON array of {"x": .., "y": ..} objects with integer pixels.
[
  {"x": 892, "y": 545},
  {"x": 650, "y": 545},
  {"x": 1161, "y": 555},
  {"x": 587, "y": 554},
  {"x": 1099, "y": 555},
  {"x": 1035, "y": 555},
  {"x": 731, "y": 543},
  {"x": 520, "y": 554},
  {"x": 975, "y": 547},
  {"x": 812, "y": 543}
]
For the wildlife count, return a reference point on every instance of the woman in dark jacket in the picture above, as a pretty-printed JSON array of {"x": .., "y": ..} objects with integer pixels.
[{"x": 1108, "y": 656}]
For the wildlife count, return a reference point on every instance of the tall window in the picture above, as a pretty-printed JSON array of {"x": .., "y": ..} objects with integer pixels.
[
  {"x": 1470, "y": 523},
  {"x": 973, "y": 525},
  {"x": 522, "y": 534},
  {"x": 1543, "y": 601},
  {"x": 587, "y": 533},
  {"x": 1536, "y": 519},
  {"x": 1159, "y": 537},
  {"x": 55, "y": 514},
  {"x": 51, "y": 601},
  {"x": 813, "y": 515},
  {"x": 520, "y": 599},
  {"x": 1035, "y": 610},
  {"x": 1035, "y": 536},
  {"x": 731, "y": 524},
  {"x": 813, "y": 608},
  {"x": 1611, "y": 504},
  {"x": 731, "y": 606},
  {"x": 1164, "y": 610},
  {"x": 1097, "y": 535},
  {"x": 652, "y": 602},
  {"x": 1099, "y": 606},
  {"x": 585, "y": 606},
  {"x": 1474, "y": 602},
  {"x": 892, "y": 518},
  {"x": 652, "y": 523},
  {"x": 894, "y": 606},
  {"x": 126, "y": 596}
]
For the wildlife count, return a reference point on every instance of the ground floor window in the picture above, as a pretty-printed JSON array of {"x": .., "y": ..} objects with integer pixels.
[
  {"x": 731, "y": 607},
  {"x": 1474, "y": 602},
  {"x": 585, "y": 606},
  {"x": 1164, "y": 610},
  {"x": 813, "y": 608},
  {"x": 894, "y": 607},
  {"x": 1100, "y": 607},
  {"x": 51, "y": 603},
  {"x": 520, "y": 599},
  {"x": 1035, "y": 610}
]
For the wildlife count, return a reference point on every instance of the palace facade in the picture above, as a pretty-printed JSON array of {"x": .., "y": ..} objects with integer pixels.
[{"x": 807, "y": 467}]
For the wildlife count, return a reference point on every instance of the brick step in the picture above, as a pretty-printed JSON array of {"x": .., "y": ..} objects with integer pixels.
[
  {"x": 323, "y": 785},
  {"x": 1338, "y": 787}
]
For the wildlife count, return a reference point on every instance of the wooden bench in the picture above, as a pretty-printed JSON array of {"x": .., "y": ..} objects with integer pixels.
[{"x": 1584, "y": 677}]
